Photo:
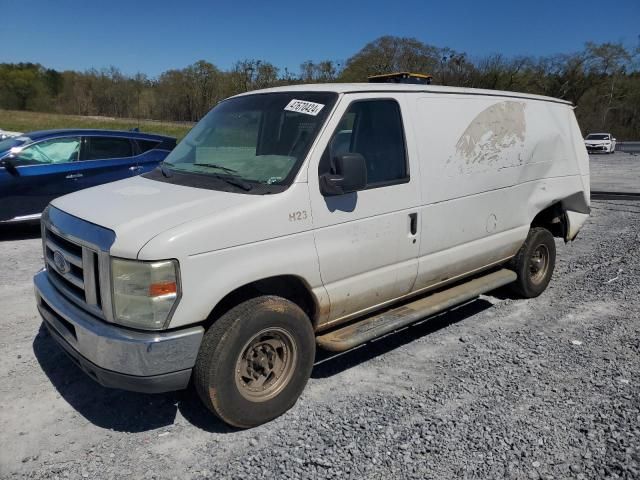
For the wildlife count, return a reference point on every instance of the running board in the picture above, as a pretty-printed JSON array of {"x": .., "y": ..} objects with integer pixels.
[{"x": 373, "y": 327}]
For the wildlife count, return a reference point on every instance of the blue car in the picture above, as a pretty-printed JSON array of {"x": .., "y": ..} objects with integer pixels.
[{"x": 39, "y": 166}]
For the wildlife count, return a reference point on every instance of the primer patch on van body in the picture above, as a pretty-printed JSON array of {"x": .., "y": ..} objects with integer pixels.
[{"x": 493, "y": 140}]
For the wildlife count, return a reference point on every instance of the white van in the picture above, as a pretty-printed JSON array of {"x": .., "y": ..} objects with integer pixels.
[{"x": 307, "y": 215}]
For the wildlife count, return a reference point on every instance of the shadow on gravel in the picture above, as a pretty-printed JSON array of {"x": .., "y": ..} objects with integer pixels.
[
  {"x": 504, "y": 293},
  {"x": 330, "y": 363},
  {"x": 23, "y": 231},
  {"x": 118, "y": 409},
  {"x": 136, "y": 412}
]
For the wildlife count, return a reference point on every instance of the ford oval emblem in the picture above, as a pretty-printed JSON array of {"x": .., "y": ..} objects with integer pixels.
[{"x": 60, "y": 262}]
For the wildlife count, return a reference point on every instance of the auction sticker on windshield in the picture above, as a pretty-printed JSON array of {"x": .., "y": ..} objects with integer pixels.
[{"x": 302, "y": 106}]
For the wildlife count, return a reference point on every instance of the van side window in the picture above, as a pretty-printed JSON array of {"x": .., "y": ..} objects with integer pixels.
[{"x": 372, "y": 128}]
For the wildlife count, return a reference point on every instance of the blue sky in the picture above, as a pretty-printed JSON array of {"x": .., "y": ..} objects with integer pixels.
[{"x": 153, "y": 36}]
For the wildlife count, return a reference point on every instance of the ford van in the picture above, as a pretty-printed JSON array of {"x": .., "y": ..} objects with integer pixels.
[{"x": 307, "y": 216}]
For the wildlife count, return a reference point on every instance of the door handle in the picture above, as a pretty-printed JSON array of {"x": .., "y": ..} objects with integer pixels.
[
  {"x": 413, "y": 223},
  {"x": 74, "y": 175},
  {"x": 135, "y": 168}
]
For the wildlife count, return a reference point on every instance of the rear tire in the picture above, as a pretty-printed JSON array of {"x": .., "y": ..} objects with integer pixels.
[
  {"x": 255, "y": 360},
  {"x": 534, "y": 263}
]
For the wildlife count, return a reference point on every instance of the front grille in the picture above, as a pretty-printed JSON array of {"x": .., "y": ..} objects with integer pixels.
[
  {"x": 50, "y": 312},
  {"x": 74, "y": 269}
]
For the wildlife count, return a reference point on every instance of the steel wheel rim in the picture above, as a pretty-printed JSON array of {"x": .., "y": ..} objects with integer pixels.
[
  {"x": 266, "y": 364},
  {"x": 539, "y": 264}
]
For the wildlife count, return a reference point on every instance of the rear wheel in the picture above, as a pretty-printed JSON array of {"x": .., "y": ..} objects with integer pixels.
[
  {"x": 255, "y": 361},
  {"x": 534, "y": 263}
]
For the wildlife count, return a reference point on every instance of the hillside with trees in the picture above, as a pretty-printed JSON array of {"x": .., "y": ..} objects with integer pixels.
[{"x": 602, "y": 80}]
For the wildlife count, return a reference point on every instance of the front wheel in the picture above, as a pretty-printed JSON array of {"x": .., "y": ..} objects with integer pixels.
[
  {"x": 255, "y": 361},
  {"x": 534, "y": 263}
]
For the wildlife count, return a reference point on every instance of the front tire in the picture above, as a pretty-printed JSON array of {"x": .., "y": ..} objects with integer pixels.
[
  {"x": 534, "y": 263},
  {"x": 255, "y": 360}
]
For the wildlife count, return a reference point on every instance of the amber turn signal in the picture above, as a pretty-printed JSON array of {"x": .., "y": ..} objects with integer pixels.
[{"x": 163, "y": 288}]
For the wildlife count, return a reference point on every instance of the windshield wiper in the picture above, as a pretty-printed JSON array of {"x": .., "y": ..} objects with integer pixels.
[
  {"x": 235, "y": 181},
  {"x": 163, "y": 169},
  {"x": 231, "y": 180},
  {"x": 213, "y": 165}
]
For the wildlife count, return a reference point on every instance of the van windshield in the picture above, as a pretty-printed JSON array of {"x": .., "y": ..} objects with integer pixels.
[{"x": 254, "y": 140}]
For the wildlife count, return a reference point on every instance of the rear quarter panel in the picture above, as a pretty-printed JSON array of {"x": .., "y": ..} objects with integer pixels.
[{"x": 488, "y": 166}]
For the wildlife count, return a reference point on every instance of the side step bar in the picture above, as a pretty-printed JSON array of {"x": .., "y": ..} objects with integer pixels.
[{"x": 373, "y": 327}]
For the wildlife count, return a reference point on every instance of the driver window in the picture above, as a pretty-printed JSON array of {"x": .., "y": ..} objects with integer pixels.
[
  {"x": 59, "y": 150},
  {"x": 372, "y": 128}
]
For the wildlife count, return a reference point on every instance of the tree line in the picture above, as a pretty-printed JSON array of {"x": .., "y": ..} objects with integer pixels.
[{"x": 602, "y": 80}]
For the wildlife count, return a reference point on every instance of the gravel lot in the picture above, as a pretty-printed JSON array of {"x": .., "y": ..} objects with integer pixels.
[{"x": 498, "y": 388}]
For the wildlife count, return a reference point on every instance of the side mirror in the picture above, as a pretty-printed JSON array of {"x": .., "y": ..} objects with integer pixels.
[
  {"x": 350, "y": 175},
  {"x": 9, "y": 166}
]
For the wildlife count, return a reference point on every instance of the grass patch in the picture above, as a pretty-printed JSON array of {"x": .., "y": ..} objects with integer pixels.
[{"x": 21, "y": 121}]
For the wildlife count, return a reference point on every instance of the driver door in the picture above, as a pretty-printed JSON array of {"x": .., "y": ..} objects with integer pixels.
[{"x": 367, "y": 241}]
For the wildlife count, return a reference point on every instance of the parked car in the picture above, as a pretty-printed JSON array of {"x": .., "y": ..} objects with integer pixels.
[
  {"x": 600, "y": 142},
  {"x": 308, "y": 215},
  {"x": 39, "y": 166}
]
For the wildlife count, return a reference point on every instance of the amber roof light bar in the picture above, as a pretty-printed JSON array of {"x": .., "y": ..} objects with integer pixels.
[{"x": 402, "y": 77}]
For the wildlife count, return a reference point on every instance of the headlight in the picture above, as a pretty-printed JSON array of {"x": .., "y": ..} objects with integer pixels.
[{"x": 144, "y": 293}]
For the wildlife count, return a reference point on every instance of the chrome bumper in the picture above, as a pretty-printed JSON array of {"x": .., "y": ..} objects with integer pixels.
[
  {"x": 23, "y": 219},
  {"x": 114, "y": 356}
]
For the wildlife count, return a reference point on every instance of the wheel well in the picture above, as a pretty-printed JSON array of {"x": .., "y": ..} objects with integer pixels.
[
  {"x": 554, "y": 219},
  {"x": 290, "y": 287}
]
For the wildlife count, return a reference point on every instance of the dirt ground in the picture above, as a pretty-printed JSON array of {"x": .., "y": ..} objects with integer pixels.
[{"x": 497, "y": 388}]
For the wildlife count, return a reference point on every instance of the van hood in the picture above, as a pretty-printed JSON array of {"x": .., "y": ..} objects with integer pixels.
[{"x": 138, "y": 209}]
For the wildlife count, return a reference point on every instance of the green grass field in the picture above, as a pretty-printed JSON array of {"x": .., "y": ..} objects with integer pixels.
[{"x": 21, "y": 121}]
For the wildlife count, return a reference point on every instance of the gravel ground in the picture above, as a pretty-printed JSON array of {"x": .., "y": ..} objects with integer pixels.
[{"x": 498, "y": 388}]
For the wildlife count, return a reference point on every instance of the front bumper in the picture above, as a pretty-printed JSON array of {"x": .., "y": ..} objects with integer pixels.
[
  {"x": 116, "y": 357},
  {"x": 598, "y": 148},
  {"x": 23, "y": 219}
]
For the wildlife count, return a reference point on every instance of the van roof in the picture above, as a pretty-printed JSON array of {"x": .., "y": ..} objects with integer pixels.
[{"x": 399, "y": 87}]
